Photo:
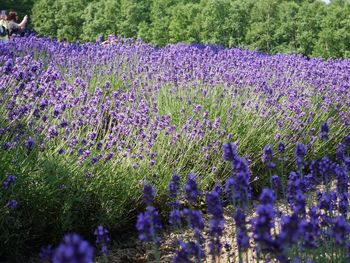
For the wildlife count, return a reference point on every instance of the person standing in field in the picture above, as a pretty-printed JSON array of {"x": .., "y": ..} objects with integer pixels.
[
  {"x": 13, "y": 26},
  {"x": 9, "y": 25},
  {"x": 3, "y": 27}
]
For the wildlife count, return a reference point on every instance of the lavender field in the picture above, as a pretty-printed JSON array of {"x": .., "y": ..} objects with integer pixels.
[{"x": 89, "y": 131}]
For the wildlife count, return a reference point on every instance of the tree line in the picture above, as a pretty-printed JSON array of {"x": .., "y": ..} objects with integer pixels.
[{"x": 310, "y": 27}]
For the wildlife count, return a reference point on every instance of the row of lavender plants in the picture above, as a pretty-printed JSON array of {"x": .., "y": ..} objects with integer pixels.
[
  {"x": 83, "y": 125},
  {"x": 304, "y": 220}
]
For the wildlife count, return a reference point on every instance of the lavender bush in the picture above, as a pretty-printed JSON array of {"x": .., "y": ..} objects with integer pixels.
[
  {"x": 83, "y": 125},
  {"x": 303, "y": 225}
]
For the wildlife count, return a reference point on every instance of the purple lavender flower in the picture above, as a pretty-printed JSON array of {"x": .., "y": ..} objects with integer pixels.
[
  {"x": 216, "y": 223},
  {"x": 327, "y": 201},
  {"x": 240, "y": 164},
  {"x": 343, "y": 204},
  {"x": 295, "y": 184},
  {"x": 43, "y": 104},
  {"x": 7, "y": 145},
  {"x": 276, "y": 182},
  {"x": 102, "y": 238},
  {"x": 300, "y": 203},
  {"x": 342, "y": 179},
  {"x": 290, "y": 229},
  {"x": 73, "y": 249},
  {"x": 241, "y": 230},
  {"x": 267, "y": 197},
  {"x": 94, "y": 159},
  {"x": 148, "y": 194},
  {"x": 191, "y": 188},
  {"x": 175, "y": 217},
  {"x": 237, "y": 188},
  {"x": 215, "y": 247},
  {"x": 324, "y": 131},
  {"x": 148, "y": 223},
  {"x": 99, "y": 39},
  {"x": 340, "y": 153},
  {"x": 340, "y": 230},
  {"x": 9, "y": 181},
  {"x": 230, "y": 151},
  {"x": 310, "y": 231},
  {"x": 218, "y": 188},
  {"x": 56, "y": 111},
  {"x": 263, "y": 222},
  {"x": 188, "y": 250},
  {"x": 29, "y": 143},
  {"x": 195, "y": 218},
  {"x": 12, "y": 204},
  {"x": 92, "y": 136},
  {"x": 99, "y": 145},
  {"x": 300, "y": 153},
  {"x": 182, "y": 255},
  {"x": 61, "y": 151},
  {"x": 195, "y": 250},
  {"x": 309, "y": 183},
  {"x": 267, "y": 157},
  {"x": 174, "y": 186},
  {"x": 46, "y": 254},
  {"x": 343, "y": 151},
  {"x": 229, "y": 189},
  {"x": 52, "y": 132},
  {"x": 214, "y": 204},
  {"x": 281, "y": 147},
  {"x": 262, "y": 225},
  {"x": 109, "y": 157},
  {"x": 326, "y": 168}
]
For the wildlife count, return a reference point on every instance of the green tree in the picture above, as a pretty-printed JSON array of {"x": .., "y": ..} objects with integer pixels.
[
  {"x": 160, "y": 17},
  {"x": 69, "y": 19},
  {"x": 43, "y": 17},
  {"x": 334, "y": 37},
  {"x": 100, "y": 18},
  {"x": 213, "y": 21},
  {"x": 308, "y": 20},
  {"x": 263, "y": 25},
  {"x": 182, "y": 26},
  {"x": 22, "y": 7},
  {"x": 310, "y": 27},
  {"x": 286, "y": 27},
  {"x": 132, "y": 14},
  {"x": 238, "y": 22}
]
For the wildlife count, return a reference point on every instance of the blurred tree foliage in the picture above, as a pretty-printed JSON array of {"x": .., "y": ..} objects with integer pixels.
[
  {"x": 310, "y": 27},
  {"x": 22, "y": 7}
]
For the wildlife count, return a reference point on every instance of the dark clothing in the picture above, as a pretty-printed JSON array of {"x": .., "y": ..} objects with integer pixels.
[{"x": 13, "y": 28}]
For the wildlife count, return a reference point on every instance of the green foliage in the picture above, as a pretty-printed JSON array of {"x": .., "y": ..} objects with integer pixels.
[
  {"x": 43, "y": 21},
  {"x": 309, "y": 20},
  {"x": 213, "y": 22},
  {"x": 132, "y": 14},
  {"x": 285, "y": 33},
  {"x": 238, "y": 22},
  {"x": 22, "y": 7},
  {"x": 160, "y": 16},
  {"x": 263, "y": 25},
  {"x": 69, "y": 20},
  {"x": 100, "y": 18},
  {"x": 310, "y": 27},
  {"x": 181, "y": 27},
  {"x": 334, "y": 38}
]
